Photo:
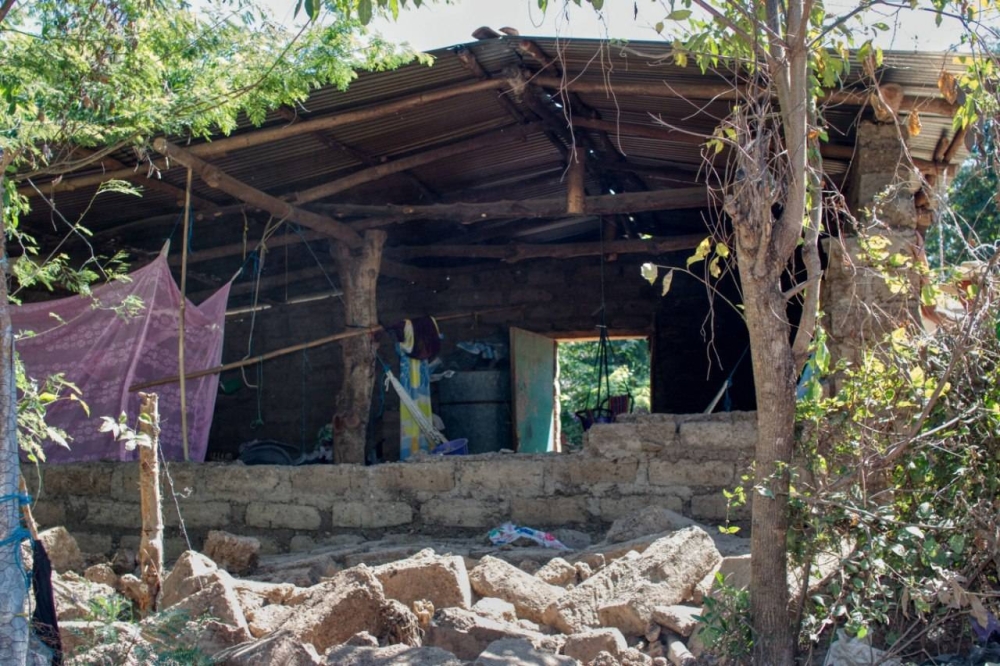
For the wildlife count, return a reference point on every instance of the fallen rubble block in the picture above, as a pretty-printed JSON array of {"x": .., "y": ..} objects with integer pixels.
[
  {"x": 238, "y": 555},
  {"x": 63, "y": 551},
  {"x": 558, "y": 572},
  {"x": 498, "y": 609},
  {"x": 467, "y": 635},
  {"x": 624, "y": 593},
  {"x": 217, "y": 601},
  {"x": 517, "y": 652},
  {"x": 278, "y": 648},
  {"x": 440, "y": 579},
  {"x": 332, "y": 611},
  {"x": 646, "y": 521},
  {"x": 192, "y": 573},
  {"x": 394, "y": 655},
  {"x": 681, "y": 619},
  {"x": 587, "y": 645},
  {"x": 530, "y": 595}
]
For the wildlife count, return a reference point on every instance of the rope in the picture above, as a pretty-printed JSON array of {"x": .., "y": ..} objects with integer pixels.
[
  {"x": 173, "y": 495},
  {"x": 17, "y": 535},
  {"x": 322, "y": 268}
]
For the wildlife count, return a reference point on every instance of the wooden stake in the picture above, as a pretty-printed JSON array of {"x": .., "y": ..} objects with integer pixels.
[
  {"x": 576, "y": 195},
  {"x": 181, "y": 317},
  {"x": 151, "y": 543},
  {"x": 284, "y": 351},
  {"x": 29, "y": 519}
]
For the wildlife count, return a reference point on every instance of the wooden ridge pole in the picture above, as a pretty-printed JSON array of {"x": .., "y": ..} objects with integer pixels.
[
  {"x": 284, "y": 351},
  {"x": 219, "y": 179}
]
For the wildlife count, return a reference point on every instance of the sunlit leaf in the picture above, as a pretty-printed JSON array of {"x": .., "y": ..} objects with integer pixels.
[
  {"x": 650, "y": 272},
  {"x": 667, "y": 281}
]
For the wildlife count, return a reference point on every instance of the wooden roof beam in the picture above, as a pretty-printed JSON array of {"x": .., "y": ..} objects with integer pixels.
[
  {"x": 217, "y": 178},
  {"x": 515, "y": 252},
  {"x": 469, "y": 213},
  {"x": 335, "y": 144}
]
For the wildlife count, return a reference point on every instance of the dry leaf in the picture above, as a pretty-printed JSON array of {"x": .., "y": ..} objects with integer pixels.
[
  {"x": 948, "y": 86},
  {"x": 667, "y": 280},
  {"x": 978, "y": 611},
  {"x": 913, "y": 123}
]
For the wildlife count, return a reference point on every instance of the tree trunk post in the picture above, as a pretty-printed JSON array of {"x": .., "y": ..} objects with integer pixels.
[
  {"x": 13, "y": 591},
  {"x": 358, "y": 273},
  {"x": 151, "y": 544}
]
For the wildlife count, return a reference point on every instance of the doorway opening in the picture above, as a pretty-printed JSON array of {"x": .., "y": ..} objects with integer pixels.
[{"x": 629, "y": 363}]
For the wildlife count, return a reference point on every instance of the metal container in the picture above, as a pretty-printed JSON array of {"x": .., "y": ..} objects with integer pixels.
[{"x": 476, "y": 405}]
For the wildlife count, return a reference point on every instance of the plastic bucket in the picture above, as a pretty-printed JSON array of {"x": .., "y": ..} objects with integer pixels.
[{"x": 456, "y": 447}]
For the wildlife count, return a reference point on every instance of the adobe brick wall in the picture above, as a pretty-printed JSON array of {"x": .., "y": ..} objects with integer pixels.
[
  {"x": 550, "y": 297},
  {"x": 678, "y": 461}
]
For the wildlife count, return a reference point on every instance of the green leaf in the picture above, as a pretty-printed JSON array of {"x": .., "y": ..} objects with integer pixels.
[
  {"x": 312, "y": 9},
  {"x": 650, "y": 272},
  {"x": 659, "y": 27},
  {"x": 365, "y": 11},
  {"x": 722, "y": 250},
  {"x": 46, "y": 397},
  {"x": 598, "y": 4},
  {"x": 678, "y": 15}
]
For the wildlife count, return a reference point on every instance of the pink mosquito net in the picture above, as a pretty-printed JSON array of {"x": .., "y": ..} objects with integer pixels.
[{"x": 104, "y": 352}]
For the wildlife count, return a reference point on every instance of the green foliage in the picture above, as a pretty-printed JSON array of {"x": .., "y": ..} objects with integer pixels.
[
  {"x": 78, "y": 73},
  {"x": 904, "y": 465},
  {"x": 629, "y": 365},
  {"x": 970, "y": 227},
  {"x": 725, "y": 626},
  {"x": 363, "y": 9}
]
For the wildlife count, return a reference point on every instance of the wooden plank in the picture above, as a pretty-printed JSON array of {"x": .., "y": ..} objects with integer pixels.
[
  {"x": 515, "y": 252},
  {"x": 533, "y": 382},
  {"x": 219, "y": 179}
]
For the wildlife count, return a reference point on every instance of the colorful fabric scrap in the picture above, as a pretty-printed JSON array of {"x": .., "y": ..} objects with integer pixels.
[{"x": 509, "y": 533}]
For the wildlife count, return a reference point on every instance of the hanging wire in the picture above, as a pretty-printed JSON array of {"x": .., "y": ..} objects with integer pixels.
[{"x": 173, "y": 495}]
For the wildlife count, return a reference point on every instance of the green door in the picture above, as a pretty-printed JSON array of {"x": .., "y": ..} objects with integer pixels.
[{"x": 533, "y": 379}]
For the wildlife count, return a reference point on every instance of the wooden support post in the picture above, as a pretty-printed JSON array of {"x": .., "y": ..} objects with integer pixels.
[
  {"x": 151, "y": 543},
  {"x": 358, "y": 278},
  {"x": 576, "y": 195}
]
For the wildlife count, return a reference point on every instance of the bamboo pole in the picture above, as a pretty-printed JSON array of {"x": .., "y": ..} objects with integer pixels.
[
  {"x": 284, "y": 351},
  {"x": 182, "y": 314},
  {"x": 151, "y": 543}
]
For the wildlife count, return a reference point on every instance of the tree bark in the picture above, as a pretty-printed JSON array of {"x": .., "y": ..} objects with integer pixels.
[
  {"x": 358, "y": 273},
  {"x": 774, "y": 379},
  {"x": 13, "y": 591},
  {"x": 151, "y": 544}
]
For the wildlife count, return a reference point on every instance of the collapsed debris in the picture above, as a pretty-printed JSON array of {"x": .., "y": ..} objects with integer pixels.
[{"x": 350, "y": 603}]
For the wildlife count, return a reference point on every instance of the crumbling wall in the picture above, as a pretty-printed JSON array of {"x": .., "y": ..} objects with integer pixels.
[{"x": 679, "y": 462}]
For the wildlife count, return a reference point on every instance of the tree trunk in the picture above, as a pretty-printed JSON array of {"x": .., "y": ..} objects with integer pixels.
[
  {"x": 358, "y": 273},
  {"x": 774, "y": 379},
  {"x": 151, "y": 544},
  {"x": 13, "y": 591}
]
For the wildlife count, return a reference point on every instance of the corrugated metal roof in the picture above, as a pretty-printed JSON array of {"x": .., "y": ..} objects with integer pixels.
[{"x": 302, "y": 161}]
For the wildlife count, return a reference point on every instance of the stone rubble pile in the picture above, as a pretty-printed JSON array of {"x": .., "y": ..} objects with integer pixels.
[{"x": 631, "y": 600}]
